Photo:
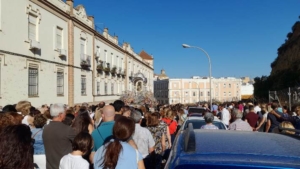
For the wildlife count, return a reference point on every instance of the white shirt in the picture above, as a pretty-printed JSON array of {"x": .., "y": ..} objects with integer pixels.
[
  {"x": 225, "y": 116},
  {"x": 143, "y": 139},
  {"x": 70, "y": 161},
  {"x": 257, "y": 109}
]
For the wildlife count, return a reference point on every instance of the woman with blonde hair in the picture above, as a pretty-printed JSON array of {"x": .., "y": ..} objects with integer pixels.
[
  {"x": 286, "y": 125},
  {"x": 172, "y": 124},
  {"x": 24, "y": 108}
]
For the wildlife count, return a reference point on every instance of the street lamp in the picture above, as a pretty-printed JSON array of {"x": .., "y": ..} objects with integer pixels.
[{"x": 210, "y": 93}]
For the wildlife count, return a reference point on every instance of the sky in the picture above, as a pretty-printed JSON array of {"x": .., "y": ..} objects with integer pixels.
[{"x": 240, "y": 36}]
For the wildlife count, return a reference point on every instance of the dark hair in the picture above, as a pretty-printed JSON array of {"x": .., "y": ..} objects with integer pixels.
[
  {"x": 118, "y": 104},
  {"x": 153, "y": 120},
  {"x": 82, "y": 142},
  {"x": 47, "y": 114},
  {"x": 123, "y": 129},
  {"x": 17, "y": 117},
  {"x": 39, "y": 121},
  {"x": 33, "y": 111},
  {"x": 9, "y": 108},
  {"x": 101, "y": 104},
  {"x": 69, "y": 119},
  {"x": 251, "y": 107},
  {"x": 81, "y": 122},
  {"x": 274, "y": 106},
  {"x": 16, "y": 149},
  {"x": 6, "y": 120}
]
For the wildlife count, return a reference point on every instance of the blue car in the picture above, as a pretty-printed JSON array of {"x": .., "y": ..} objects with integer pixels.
[{"x": 215, "y": 149}]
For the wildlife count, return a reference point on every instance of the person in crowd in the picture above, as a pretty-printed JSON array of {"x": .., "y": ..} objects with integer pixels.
[
  {"x": 48, "y": 116},
  {"x": 158, "y": 134},
  {"x": 9, "y": 108},
  {"x": 24, "y": 108},
  {"x": 37, "y": 133},
  {"x": 17, "y": 117},
  {"x": 16, "y": 150},
  {"x": 209, "y": 118},
  {"x": 238, "y": 123},
  {"x": 103, "y": 133},
  {"x": 287, "y": 125},
  {"x": 98, "y": 117},
  {"x": 225, "y": 115},
  {"x": 256, "y": 107},
  {"x": 295, "y": 120},
  {"x": 252, "y": 117},
  {"x": 142, "y": 136},
  {"x": 172, "y": 124},
  {"x": 263, "y": 119},
  {"x": 118, "y": 153},
  {"x": 81, "y": 145},
  {"x": 83, "y": 122},
  {"x": 43, "y": 108},
  {"x": 118, "y": 105},
  {"x": 57, "y": 137},
  {"x": 272, "y": 120},
  {"x": 6, "y": 120},
  {"x": 126, "y": 111},
  {"x": 69, "y": 119},
  {"x": 182, "y": 116}
]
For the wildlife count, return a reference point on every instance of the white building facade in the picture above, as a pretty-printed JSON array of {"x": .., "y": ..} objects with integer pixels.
[
  {"x": 172, "y": 91},
  {"x": 50, "y": 52}
]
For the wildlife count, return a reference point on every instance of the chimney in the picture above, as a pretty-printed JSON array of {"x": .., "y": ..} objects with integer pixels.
[
  {"x": 105, "y": 32},
  {"x": 71, "y": 4},
  {"x": 91, "y": 18},
  {"x": 116, "y": 39}
]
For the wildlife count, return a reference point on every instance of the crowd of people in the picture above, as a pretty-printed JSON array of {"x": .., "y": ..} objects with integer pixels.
[{"x": 117, "y": 135}]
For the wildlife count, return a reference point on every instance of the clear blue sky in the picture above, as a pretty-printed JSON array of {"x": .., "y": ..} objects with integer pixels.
[{"x": 241, "y": 36}]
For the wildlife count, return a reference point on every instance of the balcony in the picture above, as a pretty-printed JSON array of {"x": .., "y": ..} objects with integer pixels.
[
  {"x": 107, "y": 67},
  {"x": 62, "y": 52},
  {"x": 85, "y": 61},
  {"x": 100, "y": 66},
  {"x": 123, "y": 73},
  {"x": 119, "y": 72},
  {"x": 113, "y": 70}
]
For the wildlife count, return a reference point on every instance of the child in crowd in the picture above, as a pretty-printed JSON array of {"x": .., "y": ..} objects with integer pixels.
[{"x": 82, "y": 144}]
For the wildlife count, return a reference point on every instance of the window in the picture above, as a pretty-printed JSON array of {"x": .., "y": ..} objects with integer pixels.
[
  {"x": 224, "y": 93},
  {"x": 229, "y": 93},
  {"x": 201, "y": 93},
  {"x": 224, "y": 85},
  {"x": 32, "y": 20},
  {"x": 98, "y": 88},
  {"x": 229, "y": 85},
  {"x": 217, "y": 85},
  {"x": 216, "y": 93},
  {"x": 105, "y": 55},
  {"x": 186, "y": 93},
  {"x": 33, "y": 81},
  {"x": 112, "y": 88},
  {"x": 58, "y": 38},
  {"x": 194, "y": 93},
  {"x": 60, "y": 82},
  {"x": 82, "y": 50},
  {"x": 208, "y": 94},
  {"x": 237, "y": 85},
  {"x": 105, "y": 88},
  {"x": 83, "y": 85}
]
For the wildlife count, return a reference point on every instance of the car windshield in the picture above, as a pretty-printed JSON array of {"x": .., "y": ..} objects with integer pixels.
[{"x": 197, "y": 124}]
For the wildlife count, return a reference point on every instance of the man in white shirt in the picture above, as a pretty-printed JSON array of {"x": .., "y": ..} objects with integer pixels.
[
  {"x": 142, "y": 136},
  {"x": 225, "y": 115},
  {"x": 256, "y": 107}
]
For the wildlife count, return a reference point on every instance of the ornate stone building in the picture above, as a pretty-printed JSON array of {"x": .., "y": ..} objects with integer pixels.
[{"x": 51, "y": 52}]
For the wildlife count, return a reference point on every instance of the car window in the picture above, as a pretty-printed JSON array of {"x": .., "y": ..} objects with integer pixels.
[
  {"x": 196, "y": 110},
  {"x": 197, "y": 124}
]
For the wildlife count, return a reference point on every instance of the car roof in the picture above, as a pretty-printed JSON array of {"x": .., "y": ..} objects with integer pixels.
[
  {"x": 240, "y": 148},
  {"x": 200, "y": 118}
]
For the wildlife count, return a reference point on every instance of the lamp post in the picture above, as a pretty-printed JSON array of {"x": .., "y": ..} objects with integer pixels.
[{"x": 210, "y": 93}]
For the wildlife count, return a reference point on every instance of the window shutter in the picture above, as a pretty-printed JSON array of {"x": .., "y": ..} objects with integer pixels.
[
  {"x": 58, "y": 38},
  {"x": 32, "y": 27}
]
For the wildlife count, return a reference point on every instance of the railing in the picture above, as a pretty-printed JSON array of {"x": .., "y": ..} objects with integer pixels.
[{"x": 85, "y": 60}]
